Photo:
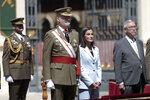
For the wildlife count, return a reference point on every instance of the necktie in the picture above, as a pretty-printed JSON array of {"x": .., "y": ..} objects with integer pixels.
[
  {"x": 66, "y": 34},
  {"x": 22, "y": 41}
]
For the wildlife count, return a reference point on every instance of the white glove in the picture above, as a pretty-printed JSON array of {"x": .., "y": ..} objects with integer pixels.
[
  {"x": 31, "y": 78},
  {"x": 50, "y": 84},
  {"x": 9, "y": 79}
]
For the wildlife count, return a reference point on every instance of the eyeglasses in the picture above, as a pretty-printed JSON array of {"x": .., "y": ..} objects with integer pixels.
[{"x": 131, "y": 27}]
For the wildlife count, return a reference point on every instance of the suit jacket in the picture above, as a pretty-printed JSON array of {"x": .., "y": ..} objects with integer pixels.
[
  {"x": 61, "y": 74},
  {"x": 17, "y": 71},
  {"x": 90, "y": 67},
  {"x": 147, "y": 59},
  {"x": 126, "y": 62}
]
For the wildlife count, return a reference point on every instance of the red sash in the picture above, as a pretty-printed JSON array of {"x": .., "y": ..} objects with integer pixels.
[{"x": 67, "y": 60}]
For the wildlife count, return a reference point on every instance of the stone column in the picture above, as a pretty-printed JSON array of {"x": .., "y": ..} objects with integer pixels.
[
  {"x": 4, "y": 84},
  {"x": 20, "y": 11},
  {"x": 144, "y": 20}
]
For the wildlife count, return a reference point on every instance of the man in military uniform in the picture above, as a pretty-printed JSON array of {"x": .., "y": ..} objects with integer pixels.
[
  {"x": 61, "y": 57},
  {"x": 147, "y": 61},
  {"x": 17, "y": 63}
]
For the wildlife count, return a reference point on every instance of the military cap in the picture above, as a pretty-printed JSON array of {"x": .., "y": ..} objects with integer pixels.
[
  {"x": 17, "y": 21},
  {"x": 66, "y": 11}
]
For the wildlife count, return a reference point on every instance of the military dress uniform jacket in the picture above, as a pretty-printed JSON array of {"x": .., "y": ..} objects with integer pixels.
[
  {"x": 60, "y": 73},
  {"x": 17, "y": 64},
  {"x": 147, "y": 60}
]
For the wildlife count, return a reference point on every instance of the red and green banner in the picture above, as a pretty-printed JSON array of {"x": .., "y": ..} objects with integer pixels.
[{"x": 7, "y": 12}]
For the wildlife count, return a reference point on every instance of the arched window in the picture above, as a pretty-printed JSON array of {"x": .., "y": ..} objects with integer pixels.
[{"x": 45, "y": 28}]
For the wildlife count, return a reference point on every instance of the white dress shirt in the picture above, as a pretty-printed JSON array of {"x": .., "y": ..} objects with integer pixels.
[
  {"x": 133, "y": 45},
  {"x": 19, "y": 36},
  {"x": 62, "y": 29}
]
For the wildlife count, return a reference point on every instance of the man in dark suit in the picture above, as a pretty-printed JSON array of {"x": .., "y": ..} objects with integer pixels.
[
  {"x": 17, "y": 63},
  {"x": 60, "y": 55},
  {"x": 129, "y": 61}
]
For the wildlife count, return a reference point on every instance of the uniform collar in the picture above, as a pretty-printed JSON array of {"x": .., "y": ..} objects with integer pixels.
[
  {"x": 19, "y": 35},
  {"x": 62, "y": 29}
]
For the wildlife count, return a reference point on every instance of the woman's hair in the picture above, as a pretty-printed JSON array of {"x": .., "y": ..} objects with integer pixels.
[{"x": 83, "y": 41}]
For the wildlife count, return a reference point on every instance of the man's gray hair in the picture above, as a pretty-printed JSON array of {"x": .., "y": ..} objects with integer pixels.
[{"x": 126, "y": 22}]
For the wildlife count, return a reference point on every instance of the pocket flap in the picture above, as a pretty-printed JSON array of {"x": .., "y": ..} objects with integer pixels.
[
  {"x": 56, "y": 65},
  {"x": 127, "y": 69}
]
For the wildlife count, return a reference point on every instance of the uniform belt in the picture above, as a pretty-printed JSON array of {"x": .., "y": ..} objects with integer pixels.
[
  {"x": 21, "y": 61},
  {"x": 66, "y": 60}
]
